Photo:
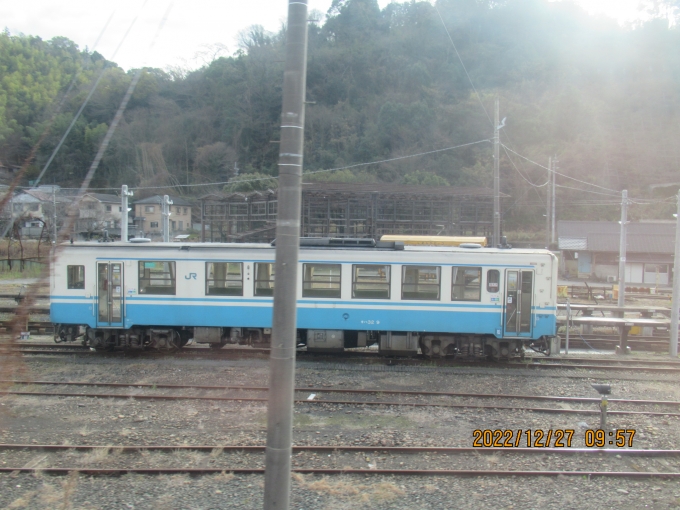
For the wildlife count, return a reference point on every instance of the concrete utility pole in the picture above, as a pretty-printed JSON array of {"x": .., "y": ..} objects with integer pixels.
[
  {"x": 54, "y": 214},
  {"x": 11, "y": 216},
  {"x": 622, "y": 248},
  {"x": 554, "y": 172},
  {"x": 547, "y": 207},
  {"x": 496, "y": 176},
  {"x": 675, "y": 301},
  {"x": 166, "y": 218},
  {"x": 282, "y": 357},
  {"x": 124, "y": 194}
]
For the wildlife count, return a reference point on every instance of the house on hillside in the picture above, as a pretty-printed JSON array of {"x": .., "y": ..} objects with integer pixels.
[
  {"x": 36, "y": 210},
  {"x": 591, "y": 249},
  {"x": 98, "y": 212},
  {"x": 149, "y": 220}
]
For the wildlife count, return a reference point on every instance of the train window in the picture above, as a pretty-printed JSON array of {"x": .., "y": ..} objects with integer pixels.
[
  {"x": 493, "y": 278},
  {"x": 321, "y": 280},
  {"x": 264, "y": 279},
  {"x": 76, "y": 277},
  {"x": 370, "y": 281},
  {"x": 420, "y": 282},
  {"x": 224, "y": 278},
  {"x": 156, "y": 277},
  {"x": 466, "y": 284}
]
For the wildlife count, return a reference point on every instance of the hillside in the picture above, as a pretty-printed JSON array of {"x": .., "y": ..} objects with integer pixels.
[{"x": 382, "y": 84}]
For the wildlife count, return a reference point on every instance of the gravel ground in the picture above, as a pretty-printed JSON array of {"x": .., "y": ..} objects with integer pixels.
[
  {"x": 334, "y": 493},
  {"x": 82, "y": 420}
]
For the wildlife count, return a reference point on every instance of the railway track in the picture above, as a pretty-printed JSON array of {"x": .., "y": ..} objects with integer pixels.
[
  {"x": 311, "y": 455},
  {"x": 537, "y": 363},
  {"x": 596, "y": 342},
  {"x": 319, "y": 396}
]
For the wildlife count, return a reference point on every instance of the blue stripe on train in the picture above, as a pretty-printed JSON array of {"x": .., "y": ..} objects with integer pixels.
[{"x": 245, "y": 315}]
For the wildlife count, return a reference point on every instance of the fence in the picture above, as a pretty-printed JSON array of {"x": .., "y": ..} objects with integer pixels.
[{"x": 33, "y": 265}]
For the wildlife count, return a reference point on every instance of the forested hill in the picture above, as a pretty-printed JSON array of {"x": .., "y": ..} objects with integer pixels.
[{"x": 383, "y": 84}]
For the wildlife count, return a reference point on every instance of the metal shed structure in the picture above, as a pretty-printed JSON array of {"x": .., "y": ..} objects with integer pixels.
[{"x": 351, "y": 210}]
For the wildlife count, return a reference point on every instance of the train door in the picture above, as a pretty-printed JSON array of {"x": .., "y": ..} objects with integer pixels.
[
  {"x": 519, "y": 290},
  {"x": 109, "y": 294}
]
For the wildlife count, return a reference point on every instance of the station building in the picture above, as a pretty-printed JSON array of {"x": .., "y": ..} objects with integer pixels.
[{"x": 591, "y": 249}]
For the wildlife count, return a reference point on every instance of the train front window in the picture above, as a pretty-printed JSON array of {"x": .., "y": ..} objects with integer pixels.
[
  {"x": 466, "y": 284},
  {"x": 224, "y": 278},
  {"x": 321, "y": 280},
  {"x": 370, "y": 282},
  {"x": 420, "y": 282},
  {"x": 264, "y": 279},
  {"x": 157, "y": 277},
  {"x": 75, "y": 277}
]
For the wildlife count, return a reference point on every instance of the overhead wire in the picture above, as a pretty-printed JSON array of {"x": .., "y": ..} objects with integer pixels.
[
  {"x": 586, "y": 190},
  {"x": 461, "y": 62},
  {"x": 561, "y": 174},
  {"x": 274, "y": 177},
  {"x": 87, "y": 99},
  {"x": 36, "y": 146}
]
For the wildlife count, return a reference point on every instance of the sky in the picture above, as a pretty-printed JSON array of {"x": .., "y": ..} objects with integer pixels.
[{"x": 194, "y": 31}]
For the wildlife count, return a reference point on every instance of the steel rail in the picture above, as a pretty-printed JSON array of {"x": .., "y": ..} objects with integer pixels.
[
  {"x": 337, "y": 402},
  {"x": 637, "y": 368},
  {"x": 328, "y": 471},
  {"x": 619, "y": 365},
  {"x": 528, "y": 360},
  {"x": 445, "y": 450},
  {"x": 585, "y": 400}
]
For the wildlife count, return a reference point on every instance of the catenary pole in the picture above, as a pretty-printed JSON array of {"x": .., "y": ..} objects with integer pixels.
[
  {"x": 552, "y": 202},
  {"x": 54, "y": 214},
  {"x": 124, "y": 194},
  {"x": 166, "y": 218},
  {"x": 622, "y": 249},
  {"x": 547, "y": 207},
  {"x": 282, "y": 356},
  {"x": 496, "y": 176},
  {"x": 675, "y": 302}
]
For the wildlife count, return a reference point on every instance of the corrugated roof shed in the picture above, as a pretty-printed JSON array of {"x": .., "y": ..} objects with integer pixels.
[{"x": 603, "y": 236}]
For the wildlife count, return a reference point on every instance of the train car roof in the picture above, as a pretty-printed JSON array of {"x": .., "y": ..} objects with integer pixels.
[{"x": 184, "y": 246}]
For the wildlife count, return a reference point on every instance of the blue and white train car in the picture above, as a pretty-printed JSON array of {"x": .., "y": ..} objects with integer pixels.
[{"x": 440, "y": 301}]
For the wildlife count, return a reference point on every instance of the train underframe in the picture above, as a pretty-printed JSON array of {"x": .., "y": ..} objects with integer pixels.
[{"x": 389, "y": 343}]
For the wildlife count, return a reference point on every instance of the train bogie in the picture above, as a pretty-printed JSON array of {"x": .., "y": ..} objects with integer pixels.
[{"x": 438, "y": 302}]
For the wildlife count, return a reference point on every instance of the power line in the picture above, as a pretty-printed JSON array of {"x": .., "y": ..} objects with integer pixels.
[
  {"x": 273, "y": 177},
  {"x": 461, "y": 63},
  {"x": 520, "y": 173},
  {"x": 585, "y": 190},
  {"x": 558, "y": 173}
]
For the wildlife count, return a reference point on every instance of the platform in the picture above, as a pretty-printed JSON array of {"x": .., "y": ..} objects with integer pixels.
[
  {"x": 623, "y": 323},
  {"x": 588, "y": 310}
]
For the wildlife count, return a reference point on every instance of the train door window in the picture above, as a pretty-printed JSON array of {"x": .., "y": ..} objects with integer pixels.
[
  {"x": 321, "y": 280},
  {"x": 420, "y": 282},
  {"x": 75, "y": 277},
  {"x": 224, "y": 278},
  {"x": 466, "y": 283},
  {"x": 370, "y": 281},
  {"x": 527, "y": 291},
  {"x": 264, "y": 279},
  {"x": 157, "y": 277},
  {"x": 493, "y": 278}
]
